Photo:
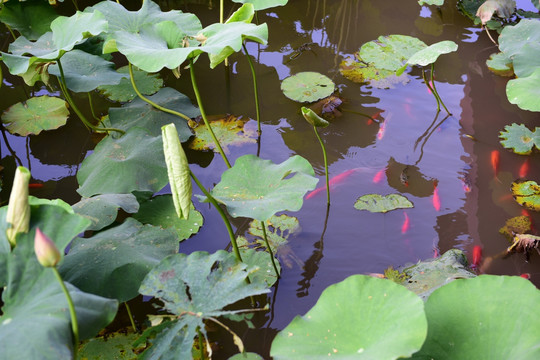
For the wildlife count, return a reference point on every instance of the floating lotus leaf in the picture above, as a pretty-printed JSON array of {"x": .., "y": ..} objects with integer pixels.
[
  {"x": 390, "y": 52},
  {"x": 527, "y": 60},
  {"x": 102, "y": 210},
  {"x": 516, "y": 225},
  {"x": 230, "y": 131},
  {"x": 259, "y": 259},
  {"x": 194, "y": 287},
  {"x": 116, "y": 345},
  {"x": 246, "y": 356},
  {"x": 471, "y": 318},
  {"x": 360, "y": 72},
  {"x": 85, "y": 72},
  {"x": 258, "y": 188},
  {"x": 30, "y": 18},
  {"x": 524, "y": 92},
  {"x": 513, "y": 38},
  {"x": 427, "y": 276},
  {"x": 35, "y": 115},
  {"x": 359, "y": 318},
  {"x": 503, "y": 8},
  {"x": 262, "y": 4},
  {"x": 431, "y": 2},
  {"x": 114, "y": 262},
  {"x": 527, "y": 193},
  {"x": 160, "y": 211},
  {"x": 500, "y": 64},
  {"x": 147, "y": 84},
  {"x": 133, "y": 162},
  {"x": 307, "y": 86},
  {"x": 431, "y": 53},
  {"x": 520, "y": 139},
  {"x": 380, "y": 203}
]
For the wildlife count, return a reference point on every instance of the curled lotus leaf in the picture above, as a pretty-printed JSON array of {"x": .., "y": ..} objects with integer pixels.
[
  {"x": 262, "y": 4},
  {"x": 382, "y": 203},
  {"x": 520, "y": 139},
  {"x": 430, "y": 54},
  {"x": 527, "y": 193},
  {"x": 307, "y": 86}
]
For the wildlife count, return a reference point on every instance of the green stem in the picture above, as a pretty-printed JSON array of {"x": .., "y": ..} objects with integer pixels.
[
  {"x": 435, "y": 90},
  {"x": 222, "y": 214},
  {"x": 201, "y": 343},
  {"x": 269, "y": 249},
  {"x": 203, "y": 114},
  {"x": 75, "y": 4},
  {"x": 432, "y": 91},
  {"x": 325, "y": 165},
  {"x": 11, "y": 31},
  {"x": 74, "y": 323},
  {"x": 359, "y": 113},
  {"x": 64, "y": 89},
  {"x": 255, "y": 91},
  {"x": 130, "y": 317},
  {"x": 144, "y": 98},
  {"x": 92, "y": 108},
  {"x": 221, "y": 11}
]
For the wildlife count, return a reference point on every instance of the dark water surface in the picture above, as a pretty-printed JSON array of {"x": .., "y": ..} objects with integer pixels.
[{"x": 474, "y": 203}]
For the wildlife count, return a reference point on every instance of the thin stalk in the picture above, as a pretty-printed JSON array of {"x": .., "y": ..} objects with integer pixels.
[
  {"x": 11, "y": 31},
  {"x": 64, "y": 89},
  {"x": 92, "y": 108},
  {"x": 435, "y": 90},
  {"x": 74, "y": 323},
  {"x": 222, "y": 214},
  {"x": 201, "y": 344},
  {"x": 144, "y": 98},
  {"x": 203, "y": 114},
  {"x": 360, "y": 113},
  {"x": 432, "y": 91},
  {"x": 75, "y": 4},
  {"x": 130, "y": 317},
  {"x": 269, "y": 249},
  {"x": 325, "y": 166},
  {"x": 255, "y": 91},
  {"x": 221, "y": 11}
]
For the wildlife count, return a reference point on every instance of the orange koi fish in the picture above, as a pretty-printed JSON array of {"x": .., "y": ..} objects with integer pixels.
[
  {"x": 35, "y": 185},
  {"x": 382, "y": 130},
  {"x": 495, "y": 158},
  {"x": 406, "y": 224},
  {"x": 379, "y": 176},
  {"x": 524, "y": 169},
  {"x": 476, "y": 256},
  {"x": 466, "y": 183},
  {"x": 526, "y": 276},
  {"x": 435, "y": 199},
  {"x": 333, "y": 182}
]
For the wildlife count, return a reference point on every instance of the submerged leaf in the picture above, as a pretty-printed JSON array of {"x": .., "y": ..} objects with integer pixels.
[
  {"x": 380, "y": 203},
  {"x": 527, "y": 193},
  {"x": 360, "y": 72},
  {"x": 307, "y": 86},
  {"x": 519, "y": 138},
  {"x": 516, "y": 225}
]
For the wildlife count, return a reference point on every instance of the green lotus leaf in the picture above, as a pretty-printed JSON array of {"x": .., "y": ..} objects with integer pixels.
[
  {"x": 431, "y": 2},
  {"x": 427, "y": 276},
  {"x": 258, "y": 188},
  {"x": 85, "y": 72},
  {"x": 360, "y": 72},
  {"x": 380, "y": 203},
  {"x": 390, "y": 52},
  {"x": 160, "y": 211},
  {"x": 430, "y": 54},
  {"x": 230, "y": 131},
  {"x": 30, "y": 18},
  {"x": 116, "y": 345},
  {"x": 500, "y": 64},
  {"x": 527, "y": 60},
  {"x": 520, "y": 139},
  {"x": 246, "y": 356},
  {"x": 245, "y": 13},
  {"x": 524, "y": 92},
  {"x": 470, "y": 319},
  {"x": 359, "y": 318},
  {"x": 37, "y": 71},
  {"x": 513, "y": 38},
  {"x": 262, "y": 4},
  {"x": 102, "y": 210},
  {"x": 194, "y": 287},
  {"x": 307, "y": 86},
  {"x": 114, "y": 262},
  {"x": 147, "y": 84},
  {"x": 527, "y": 193},
  {"x": 133, "y": 162},
  {"x": 312, "y": 118},
  {"x": 503, "y": 8},
  {"x": 35, "y": 115},
  {"x": 259, "y": 259}
]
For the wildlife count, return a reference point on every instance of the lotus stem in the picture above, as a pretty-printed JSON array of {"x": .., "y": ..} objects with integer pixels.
[
  {"x": 92, "y": 108},
  {"x": 255, "y": 91},
  {"x": 75, "y": 4},
  {"x": 432, "y": 91},
  {"x": 221, "y": 10},
  {"x": 203, "y": 114},
  {"x": 325, "y": 166},
  {"x": 201, "y": 344},
  {"x": 64, "y": 89},
  {"x": 435, "y": 90},
  {"x": 11, "y": 31},
  {"x": 269, "y": 249},
  {"x": 131, "y": 320},
  {"x": 74, "y": 323}
]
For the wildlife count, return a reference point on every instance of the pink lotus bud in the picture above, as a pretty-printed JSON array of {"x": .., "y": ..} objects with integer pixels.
[{"x": 46, "y": 251}]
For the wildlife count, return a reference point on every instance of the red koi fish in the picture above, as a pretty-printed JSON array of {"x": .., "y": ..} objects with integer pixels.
[
  {"x": 435, "y": 253},
  {"x": 406, "y": 224},
  {"x": 476, "y": 256},
  {"x": 379, "y": 176},
  {"x": 495, "y": 158},
  {"x": 524, "y": 169},
  {"x": 435, "y": 199},
  {"x": 333, "y": 182},
  {"x": 35, "y": 185},
  {"x": 382, "y": 130},
  {"x": 526, "y": 276}
]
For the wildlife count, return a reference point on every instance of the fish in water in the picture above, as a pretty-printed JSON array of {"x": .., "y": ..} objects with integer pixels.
[
  {"x": 435, "y": 199},
  {"x": 526, "y": 276},
  {"x": 379, "y": 176},
  {"x": 495, "y": 158},
  {"x": 335, "y": 181},
  {"x": 35, "y": 185},
  {"x": 476, "y": 256},
  {"x": 406, "y": 224},
  {"x": 404, "y": 177},
  {"x": 524, "y": 169}
]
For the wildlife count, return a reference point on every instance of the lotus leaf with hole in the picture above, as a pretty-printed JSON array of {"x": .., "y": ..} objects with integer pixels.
[
  {"x": 520, "y": 139},
  {"x": 382, "y": 203},
  {"x": 229, "y": 130},
  {"x": 527, "y": 193},
  {"x": 307, "y": 86},
  {"x": 147, "y": 84}
]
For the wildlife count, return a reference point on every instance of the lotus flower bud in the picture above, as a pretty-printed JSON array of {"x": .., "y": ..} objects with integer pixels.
[
  {"x": 46, "y": 251},
  {"x": 18, "y": 214}
]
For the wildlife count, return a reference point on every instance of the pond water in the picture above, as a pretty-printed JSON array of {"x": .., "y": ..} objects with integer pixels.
[{"x": 459, "y": 199}]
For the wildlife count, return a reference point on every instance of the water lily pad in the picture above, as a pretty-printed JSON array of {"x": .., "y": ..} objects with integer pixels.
[
  {"x": 513, "y": 38},
  {"x": 359, "y": 318},
  {"x": 360, "y": 72},
  {"x": 133, "y": 162},
  {"x": 259, "y": 259},
  {"x": 307, "y": 86},
  {"x": 520, "y": 139},
  {"x": 431, "y": 2},
  {"x": 35, "y": 115},
  {"x": 114, "y": 262},
  {"x": 503, "y": 8},
  {"x": 160, "y": 211},
  {"x": 30, "y": 18},
  {"x": 500, "y": 64},
  {"x": 246, "y": 356},
  {"x": 390, "y": 52},
  {"x": 382, "y": 203},
  {"x": 102, "y": 210},
  {"x": 262, "y": 4},
  {"x": 527, "y": 193},
  {"x": 229, "y": 131},
  {"x": 431, "y": 53},
  {"x": 524, "y": 92},
  {"x": 516, "y": 225},
  {"x": 147, "y": 84},
  {"x": 117, "y": 346},
  {"x": 527, "y": 60},
  {"x": 258, "y": 188}
]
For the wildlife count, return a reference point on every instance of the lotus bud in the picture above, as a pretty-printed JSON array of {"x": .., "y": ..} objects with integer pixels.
[
  {"x": 18, "y": 214},
  {"x": 312, "y": 118},
  {"x": 46, "y": 251}
]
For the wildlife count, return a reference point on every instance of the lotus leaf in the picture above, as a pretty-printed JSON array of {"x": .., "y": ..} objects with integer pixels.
[
  {"x": 307, "y": 86},
  {"x": 527, "y": 60},
  {"x": 30, "y": 18},
  {"x": 470, "y": 319},
  {"x": 147, "y": 84},
  {"x": 245, "y": 13},
  {"x": 380, "y": 203},
  {"x": 390, "y": 52},
  {"x": 115, "y": 346},
  {"x": 262, "y": 4},
  {"x": 114, "y": 262},
  {"x": 102, "y": 210},
  {"x": 524, "y": 92},
  {"x": 500, "y": 64},
  {"x": 159, "y": 211},
  {"x": 516, "y": 225},
  {"x": 520, "y": 139},
  {"x": 37, "y": 71},
  {"x": 359, "y": 318},
  {"x": 431, "y": 2},
  {"x": 85, "y": 72},
  {"x": 259, "y": 259},
  {"x": 246, "y": 356},
  {"x": 258, "y": 188},
  {"x": 194, "y": 287},
  {"x": 229, "y": 130},
  {"x": 312, "y": 118},
  {"x": 36, "y": 114},
  {"x": 133, "y": 162},
  {"x": 503, "y": 8},
  {"x": 527, "y": 193},
  {"x": 513, "y": 38},
  {"x": 360, "y": 72},
  {"x": 431, "y": 53}
]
